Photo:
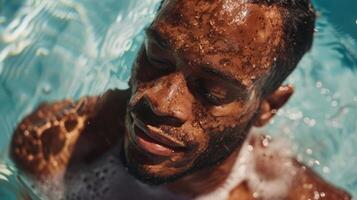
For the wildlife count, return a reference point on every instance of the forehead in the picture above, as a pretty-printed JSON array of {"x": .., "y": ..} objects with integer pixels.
[{"x": 236, "y": 38}]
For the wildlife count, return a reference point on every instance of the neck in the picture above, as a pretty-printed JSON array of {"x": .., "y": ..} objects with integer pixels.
[{"x": 205, "y": 180}]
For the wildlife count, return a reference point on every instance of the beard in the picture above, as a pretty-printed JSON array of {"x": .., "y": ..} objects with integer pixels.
[
  {"x": 203, "y": 161},
  {"x": 139, "y": 172},
  {"x": 221, "y": 148},
  {"x": 221, "y": 144}
]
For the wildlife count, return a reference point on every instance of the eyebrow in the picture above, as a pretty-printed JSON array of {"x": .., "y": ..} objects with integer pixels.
[
  {"x": 154, "y": 35},
  {"x": 223, "y": 76}
]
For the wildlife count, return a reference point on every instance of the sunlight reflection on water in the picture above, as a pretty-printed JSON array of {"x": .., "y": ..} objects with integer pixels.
[{"x": 58, "y": 49}]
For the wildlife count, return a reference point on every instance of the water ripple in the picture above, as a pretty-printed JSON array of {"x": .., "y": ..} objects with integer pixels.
[{"x": 52, "y": 50}]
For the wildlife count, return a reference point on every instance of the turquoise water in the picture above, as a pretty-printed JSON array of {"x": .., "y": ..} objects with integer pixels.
[{"x": 69, "y": 48}]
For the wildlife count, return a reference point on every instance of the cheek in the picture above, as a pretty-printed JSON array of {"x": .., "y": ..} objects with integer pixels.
[
  {"x": 197, "y": 137},
  {"x": 230, "y": 110},
  {"x": 233, "y": 114}
]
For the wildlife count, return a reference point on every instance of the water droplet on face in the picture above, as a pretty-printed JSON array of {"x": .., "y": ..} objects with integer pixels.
[
  {"x": 256, "y": 195},
  {"x": 30, "y": 157},
  {"x": 265, "y": 142},
  {"x": 316, "y": 195},
  {"x": 308, "y": 186},
  {"x": 322, "y": 194}
]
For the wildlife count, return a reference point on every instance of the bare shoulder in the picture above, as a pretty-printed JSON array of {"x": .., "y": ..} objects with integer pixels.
[
  {"x": 309, "y": 185},
  {"x": 46, "y": 140},
  {"x": 275, "y": 174}
]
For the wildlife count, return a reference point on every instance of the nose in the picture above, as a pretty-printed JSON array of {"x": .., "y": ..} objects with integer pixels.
[{"x": 166, "y": 101}]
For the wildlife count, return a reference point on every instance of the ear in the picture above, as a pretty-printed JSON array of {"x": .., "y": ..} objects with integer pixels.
[{"x": 273, "y": 103}]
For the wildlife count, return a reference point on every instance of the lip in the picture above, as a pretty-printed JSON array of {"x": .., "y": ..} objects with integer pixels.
[{"x": 154, "y": 140}]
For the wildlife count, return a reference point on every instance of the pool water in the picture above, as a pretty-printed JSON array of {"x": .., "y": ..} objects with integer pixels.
[{"x": 51, "y": 50}]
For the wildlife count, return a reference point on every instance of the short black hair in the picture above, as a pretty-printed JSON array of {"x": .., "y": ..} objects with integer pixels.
[{"x": 299, "y": 18}]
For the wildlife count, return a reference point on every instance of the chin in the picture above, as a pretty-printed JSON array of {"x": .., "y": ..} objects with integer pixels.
[
  {"x": 156, "y": 158},
  {"x": 153, "y": 169}
]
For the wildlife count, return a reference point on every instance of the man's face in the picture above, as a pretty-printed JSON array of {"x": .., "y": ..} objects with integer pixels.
[{"x": 196, "y": 84}]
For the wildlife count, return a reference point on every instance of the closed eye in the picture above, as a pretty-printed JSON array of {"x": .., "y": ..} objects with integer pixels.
[
  {"x": 210, "y": 95},
  {"x": 160, "y": 61},
  {"x": 214, "y": 93},
  {"x": 158, "y": 57}
]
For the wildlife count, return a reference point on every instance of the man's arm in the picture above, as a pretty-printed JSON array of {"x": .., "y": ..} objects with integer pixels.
[
  {"x": 44, "y": 140},
  {"x": 59, "y": 133}
]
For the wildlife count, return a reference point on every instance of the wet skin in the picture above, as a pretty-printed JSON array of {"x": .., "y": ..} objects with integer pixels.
[
  {"x": 195, "y": 91},
  {"x": 197, "y": 84}
]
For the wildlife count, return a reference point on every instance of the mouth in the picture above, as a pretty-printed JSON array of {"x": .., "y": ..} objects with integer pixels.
[{"x": 153, "y": 140}]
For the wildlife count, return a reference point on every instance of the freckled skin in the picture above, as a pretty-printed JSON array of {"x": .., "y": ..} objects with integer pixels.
[
  {"x": 212, "y": 34},
  {"x": 198, "y": 80}
]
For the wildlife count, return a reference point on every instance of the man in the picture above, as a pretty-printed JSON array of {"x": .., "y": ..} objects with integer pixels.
[{"x": 207, "y": 73}]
